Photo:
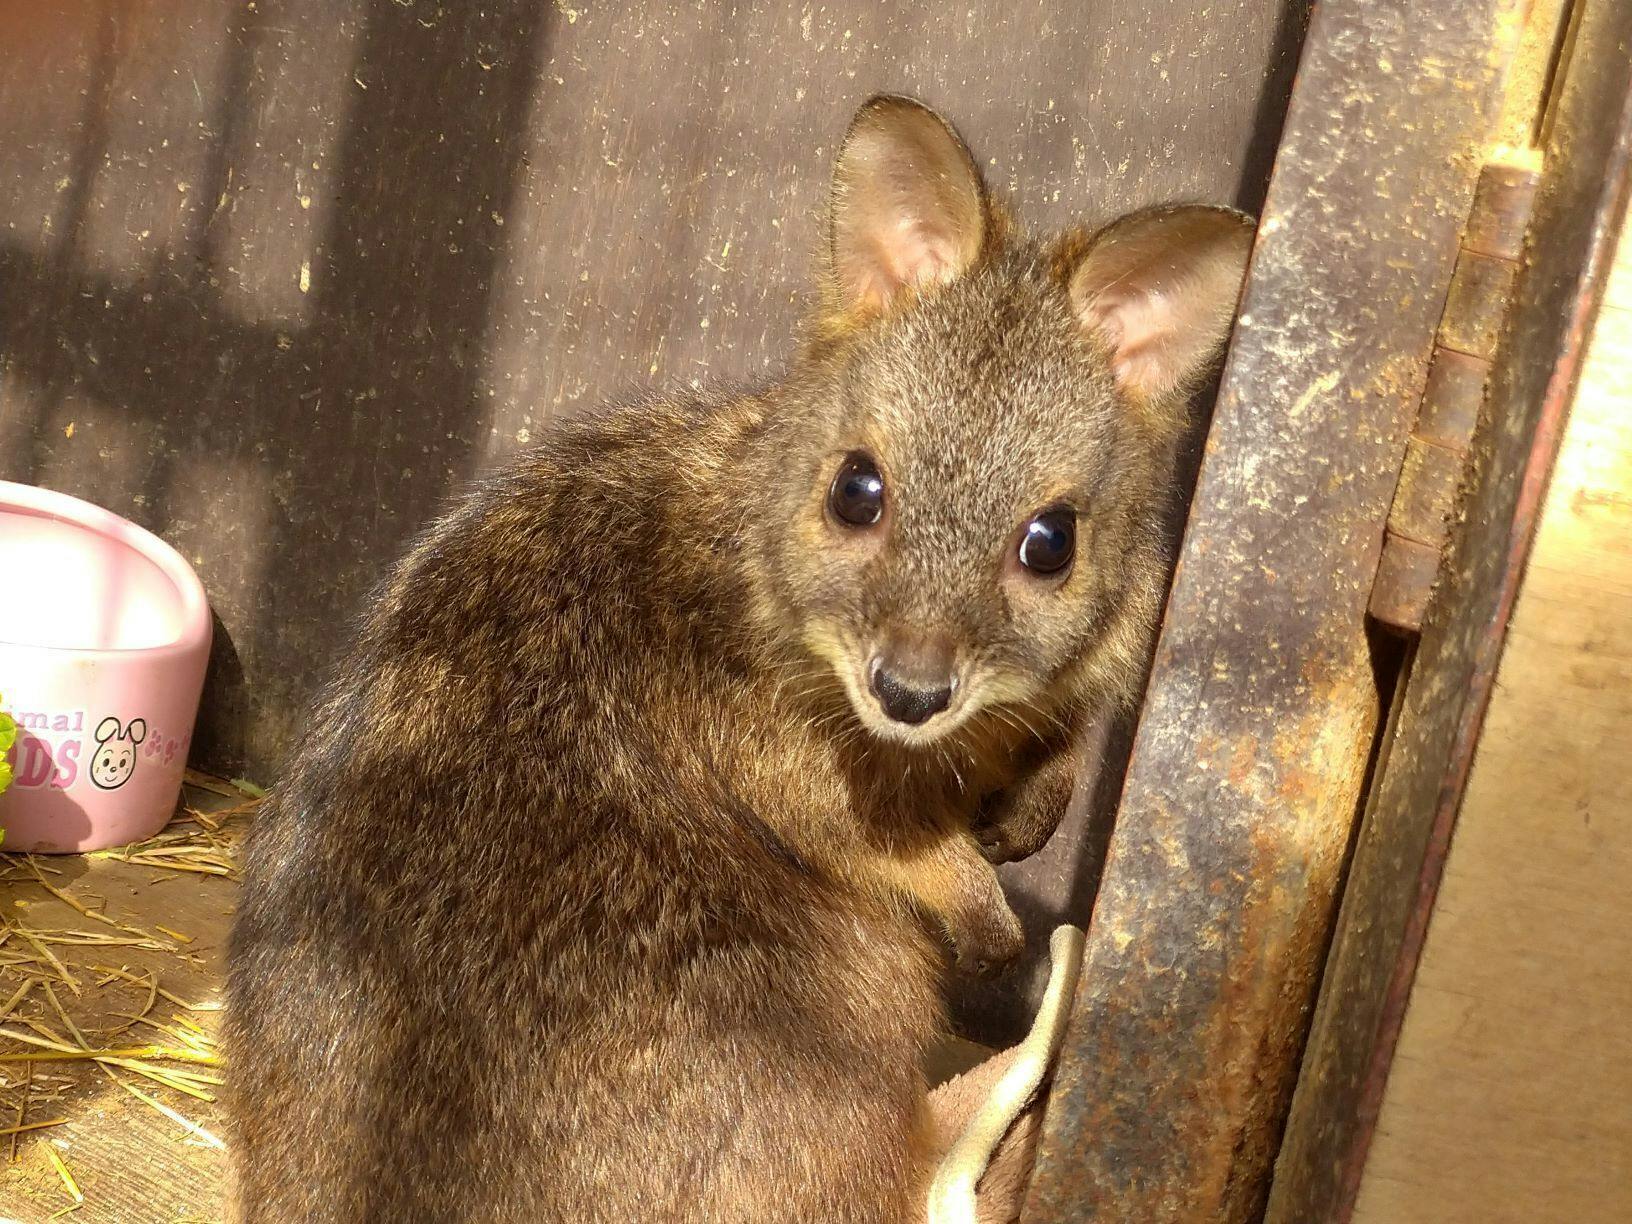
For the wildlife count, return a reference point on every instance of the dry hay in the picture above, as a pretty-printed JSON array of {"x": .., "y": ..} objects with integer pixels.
[{"x": 101, "y": 995}]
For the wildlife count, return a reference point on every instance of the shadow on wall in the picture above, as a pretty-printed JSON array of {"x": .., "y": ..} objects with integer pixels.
[
  {"x": 1269, "y": 116},
  {"x": 356, "y": 404}
]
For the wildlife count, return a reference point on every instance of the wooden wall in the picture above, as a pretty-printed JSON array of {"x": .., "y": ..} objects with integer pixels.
[
  {"x": 1510, "y": 1094},
  {"x": 276, "y": 276}
]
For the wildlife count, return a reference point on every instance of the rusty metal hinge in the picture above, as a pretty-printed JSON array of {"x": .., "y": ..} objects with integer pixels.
[{"x": 1481, "y": 291}]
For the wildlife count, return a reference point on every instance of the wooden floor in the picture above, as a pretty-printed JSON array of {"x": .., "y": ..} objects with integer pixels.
[
  {"x": 1510, "y": 1097},
  {"x": 122, "y": 958}
]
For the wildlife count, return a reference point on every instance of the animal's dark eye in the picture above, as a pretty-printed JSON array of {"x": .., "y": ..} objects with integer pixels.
[
  {"x": 857, "y": 494},
  {"x": 1049, "y": 541}
]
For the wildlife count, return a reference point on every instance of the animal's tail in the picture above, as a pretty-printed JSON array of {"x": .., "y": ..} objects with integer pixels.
[{"x": 952, "y": 1193}]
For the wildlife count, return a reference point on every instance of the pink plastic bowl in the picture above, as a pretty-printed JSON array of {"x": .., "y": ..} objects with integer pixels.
[{"x": 104, "y": 637}]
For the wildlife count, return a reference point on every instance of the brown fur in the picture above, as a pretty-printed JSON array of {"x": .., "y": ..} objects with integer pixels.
[{"x": 597, "y": 893}]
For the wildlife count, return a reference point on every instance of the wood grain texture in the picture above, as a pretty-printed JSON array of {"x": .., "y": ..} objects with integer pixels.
[
  {"x": 1432, "y": 734},
  {"x": 1508, "y": 1098}
]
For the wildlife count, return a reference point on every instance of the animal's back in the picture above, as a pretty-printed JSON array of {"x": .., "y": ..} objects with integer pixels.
[{"x": 516, "y": 941}]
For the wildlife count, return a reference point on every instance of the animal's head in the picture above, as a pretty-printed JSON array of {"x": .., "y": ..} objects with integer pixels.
[
  {"x": 115, "y": 757},
  {"x": 981, "y": 441}
]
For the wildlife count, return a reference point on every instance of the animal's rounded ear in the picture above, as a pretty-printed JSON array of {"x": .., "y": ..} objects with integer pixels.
[
  {"x": 137, "y": 730},
  {"x": 1160, "y": 288},
  {"x": 107, "y": 729},
  {"x": 907, "y": 207}
]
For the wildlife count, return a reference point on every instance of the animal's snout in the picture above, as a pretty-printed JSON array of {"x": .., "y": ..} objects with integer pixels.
[
  {"x": 913, "y": 682},
  {"x": 905, "y": 703}
]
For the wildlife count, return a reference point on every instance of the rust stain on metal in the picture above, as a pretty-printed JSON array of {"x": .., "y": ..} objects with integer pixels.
[
  {"x": 1427, "y": 494},
  {"x": 1450, "y": 402},
  {"x": 1501, "y": 211},
  {"x": 1406, "y": 575},
  {"x": 1436, "y": 457},
  {"x": 1477, "y": 304}
]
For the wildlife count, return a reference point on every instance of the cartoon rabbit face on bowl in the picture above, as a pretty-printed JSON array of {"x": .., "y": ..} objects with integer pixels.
[{"x": 115, "y": 758}]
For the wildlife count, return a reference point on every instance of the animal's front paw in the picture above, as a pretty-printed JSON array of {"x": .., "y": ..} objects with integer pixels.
[
  {"x": 990, "y": 941},
  {"x": 1015, "y": 826},
  {"x": 1016, "y": 822},
  {"x": 996, "y": 846}
]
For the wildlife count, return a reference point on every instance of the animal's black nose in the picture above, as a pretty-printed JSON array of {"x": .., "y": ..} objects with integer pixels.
[{"x": 905, "y": 703}]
